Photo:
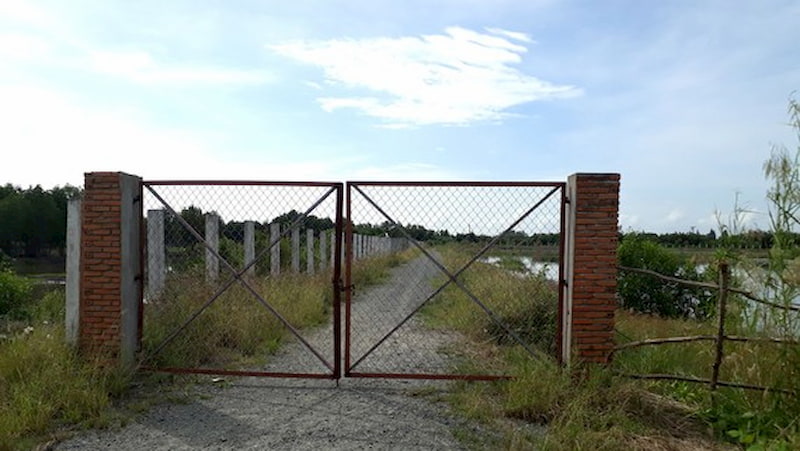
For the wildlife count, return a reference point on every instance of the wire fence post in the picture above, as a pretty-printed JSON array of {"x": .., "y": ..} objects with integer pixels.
[{"x": 724, "y": 279}]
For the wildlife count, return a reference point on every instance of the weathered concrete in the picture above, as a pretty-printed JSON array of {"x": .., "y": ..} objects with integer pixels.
[
  {"x": 72, "y": 316},
  {"x": 212, "y": 239},
  {"x": 296, "y": 250},
  {"x": 310, "y": 251},
  {"x": 156, "y": 257},
  {"x": 275, "y": 252},
  {"x": 131, "y": 274},
  {"x": 250, "y": 246}
]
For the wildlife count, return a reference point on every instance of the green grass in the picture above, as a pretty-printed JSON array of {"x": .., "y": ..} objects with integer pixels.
[
  {"x": 45, "y": 385},
  {"x": 525, "y": 303},
  {"x": 748, "y": 417},
  {"x": 545, "y": 406},
  {"x": 237, "y": 330},
  {"x": 47, "y": 390}
]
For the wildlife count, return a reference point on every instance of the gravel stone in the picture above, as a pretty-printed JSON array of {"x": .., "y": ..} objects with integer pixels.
[{"x": 311, "y": 414}]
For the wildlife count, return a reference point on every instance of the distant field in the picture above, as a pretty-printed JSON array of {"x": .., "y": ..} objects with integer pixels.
[
  {"x": 704, "y": 255},
  {"x": 42, "y": 267}
]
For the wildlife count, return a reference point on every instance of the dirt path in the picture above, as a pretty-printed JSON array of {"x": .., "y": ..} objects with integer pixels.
[{"x": 277, "y": 414}]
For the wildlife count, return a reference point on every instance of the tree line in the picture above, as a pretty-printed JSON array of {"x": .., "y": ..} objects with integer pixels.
[
  {"x": 33, "y": 221},
  {"x": 33, "y": 225}
]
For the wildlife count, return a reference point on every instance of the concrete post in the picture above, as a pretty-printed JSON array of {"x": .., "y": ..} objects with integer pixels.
[
  {"x": 132, "y": 267},
  {"x": 591, "y": 267},
  {"x": 156, "y": 256},
  {"x": 310, "y": 251},
  {"x": 275, "y": 252},
  {"x": 333, "y": 247},
  {"x": 72, "y": 316},
  {"x": 212, "y": 239},
  {"x": 250, "y": 246},
  {"x": 296, "y": 250},
  {"x": 323, "y": 250}
]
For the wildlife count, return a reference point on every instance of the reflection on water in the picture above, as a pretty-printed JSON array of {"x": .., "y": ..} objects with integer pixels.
[{"x": 548, "y": 269}]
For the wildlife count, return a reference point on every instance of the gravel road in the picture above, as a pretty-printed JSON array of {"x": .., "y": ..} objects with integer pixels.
[{"x": 281, "y": 414}]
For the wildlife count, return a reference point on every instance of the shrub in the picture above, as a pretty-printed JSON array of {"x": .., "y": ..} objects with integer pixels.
[
  {"x": 648, "y": 294},
  {"x": 15, "y": 294},
  {"x": 5, "y": 261}
]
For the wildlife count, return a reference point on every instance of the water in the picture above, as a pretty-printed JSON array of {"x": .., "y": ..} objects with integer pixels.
[{"x": 548, "y": 269}]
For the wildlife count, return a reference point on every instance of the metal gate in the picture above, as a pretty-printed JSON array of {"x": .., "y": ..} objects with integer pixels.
[
  {"x": 239, "y": 274},
  {"x": 479, "y": 279},
  {"x": 248, "y": 275}
]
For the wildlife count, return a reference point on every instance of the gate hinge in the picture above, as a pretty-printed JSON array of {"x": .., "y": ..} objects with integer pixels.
[{"x": 567, "y": 200}]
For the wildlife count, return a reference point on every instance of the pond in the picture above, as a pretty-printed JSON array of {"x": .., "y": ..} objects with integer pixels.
[{"x": 548, "y": 269}]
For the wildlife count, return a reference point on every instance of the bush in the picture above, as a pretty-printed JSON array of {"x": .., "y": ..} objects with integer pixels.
[
  {"x": 15, "y": 294},
  {"x": 648, "y": 294},
  {"x": 5, "y": 262}
]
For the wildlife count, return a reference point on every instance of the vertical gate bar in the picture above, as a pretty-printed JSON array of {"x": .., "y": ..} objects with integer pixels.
[
  {"x": 348, "y": 276},
  {"x": 337, "y": 292},
  {"x": 561, "y": 281}
]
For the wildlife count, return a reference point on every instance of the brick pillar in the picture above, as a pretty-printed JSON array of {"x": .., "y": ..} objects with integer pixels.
[
  {"x": 110, "y": 266},
  {"x": 591, "y": 266}
]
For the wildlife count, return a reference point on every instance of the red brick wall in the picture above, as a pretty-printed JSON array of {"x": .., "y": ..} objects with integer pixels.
[
  {"x": 100, "y": 268},
  {"x": 594, "y": 283}
]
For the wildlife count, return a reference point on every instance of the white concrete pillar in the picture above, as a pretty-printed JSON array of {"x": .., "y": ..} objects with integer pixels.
[
  {"x": 156, "y": 256},
  {"x": 72, "y": 315},
  {"x": 250, "y": 246},
  {"x": 275, "y": 252},
  {"x": 310, "y": 251},
  {"x": 212, "y": 239},
  {"x": 323, "y": 250},
  {"x": 296, "y": 250}
]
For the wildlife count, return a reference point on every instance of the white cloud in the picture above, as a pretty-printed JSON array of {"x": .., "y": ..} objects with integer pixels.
[
  {"x": 54, "y": 140},
  {"x": 19, "y": 46},
  {"x": 454, "y": 78},
  {"x": 140, "y": 67},
  {"x": 675, "y": 215},
  {"x": 517, "y": 36}
]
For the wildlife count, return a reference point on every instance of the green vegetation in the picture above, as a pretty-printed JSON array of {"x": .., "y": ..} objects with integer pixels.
[
  {"x": 545, "y": 406},
  {"x": 45, "y": 385},
  {"x": 525, "y": 303},
  {"x": 646, "y": 294},
  {"x": 749, "y": 417},
  {"x": 48, "y": 390},
  {"x": 236, "y": 326},
  {"x": 33, "y": 221},
  {"x": 15, "y": 294}
]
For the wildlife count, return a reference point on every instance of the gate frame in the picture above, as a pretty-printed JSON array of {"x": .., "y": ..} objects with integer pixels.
[{"x": 561, "y": 284}]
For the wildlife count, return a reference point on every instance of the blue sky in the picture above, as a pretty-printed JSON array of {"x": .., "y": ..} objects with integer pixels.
[{"x": 683, "y": 98}]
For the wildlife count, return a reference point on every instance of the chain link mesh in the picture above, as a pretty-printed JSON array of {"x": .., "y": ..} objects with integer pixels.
[
  {"x": 502, "y": 244},
  {"x": 231, "y": 270}
]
